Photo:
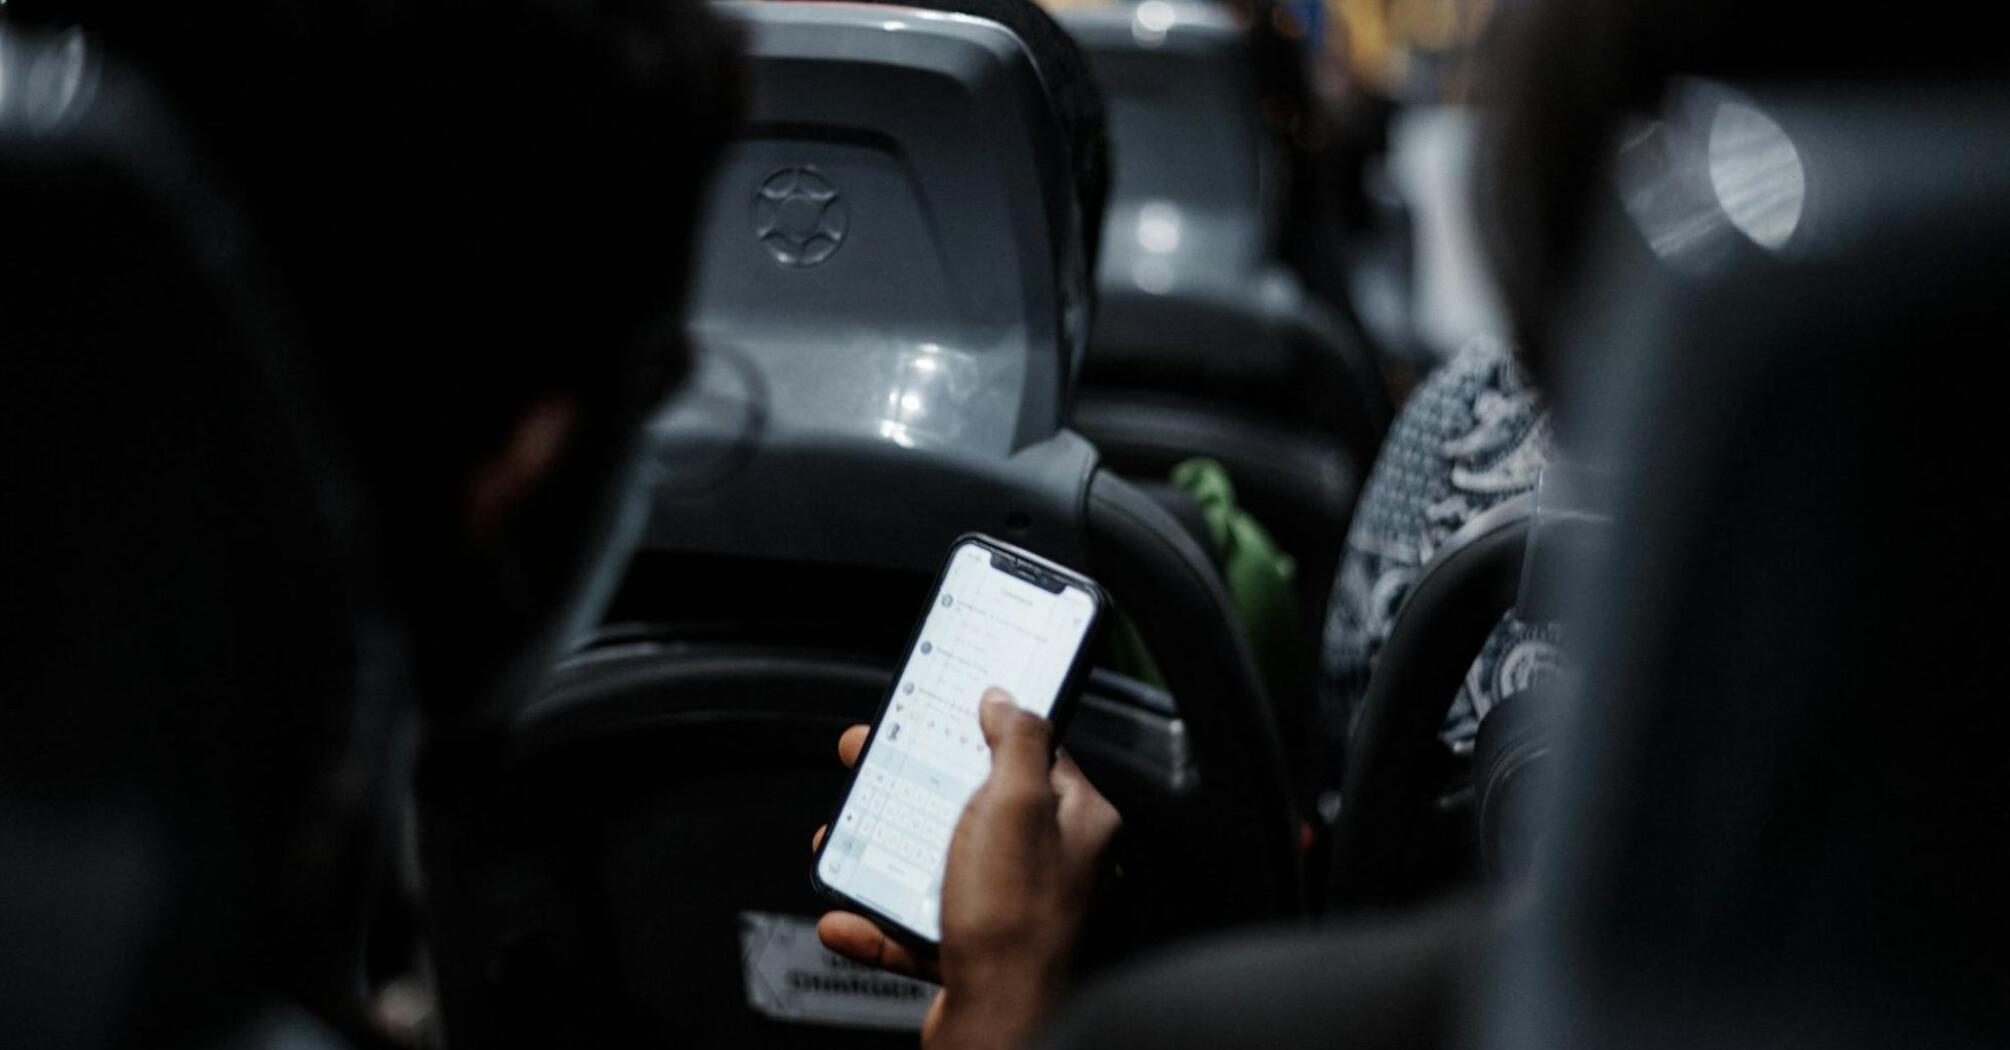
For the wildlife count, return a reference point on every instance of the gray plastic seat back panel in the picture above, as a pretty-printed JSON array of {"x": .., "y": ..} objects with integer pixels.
[
  {"x": 1187, "y": 205},
  {"x": 889, "y": 300},
  {"x": 890, "y": 223}
]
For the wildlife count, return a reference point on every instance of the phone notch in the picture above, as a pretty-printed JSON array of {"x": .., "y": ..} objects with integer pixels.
[{"x": 1047, "y": 581}]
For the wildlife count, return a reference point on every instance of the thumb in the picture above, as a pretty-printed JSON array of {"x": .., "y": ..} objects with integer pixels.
[{"x": 1021, "y": 742}]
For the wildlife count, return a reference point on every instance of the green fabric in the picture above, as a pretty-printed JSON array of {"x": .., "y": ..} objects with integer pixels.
[{"x": 1259, "y": 576}]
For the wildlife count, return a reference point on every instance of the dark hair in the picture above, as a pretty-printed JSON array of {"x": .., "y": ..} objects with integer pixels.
[
  {"x": 470, "y": 206},
  {"x": 1071, "y": 85}
]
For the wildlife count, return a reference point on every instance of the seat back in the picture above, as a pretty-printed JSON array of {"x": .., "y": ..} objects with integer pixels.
[
  {"x": 922, "y": 432},
  {"x": 1396, "y": 766},
  {"x": 1413, "y": 814},
  {"x": 875, "y": 238},
  {"x": 191, "y": 741},
  {"x": 1192, "y": 203},
  {"x": 1778, "y": 823},
  {"x": 1204, "y": 342},
  {"x": 633, "y": 863}
]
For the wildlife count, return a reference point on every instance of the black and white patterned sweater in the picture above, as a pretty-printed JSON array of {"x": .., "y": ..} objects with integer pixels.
[{"x": 1474, "y": 434}]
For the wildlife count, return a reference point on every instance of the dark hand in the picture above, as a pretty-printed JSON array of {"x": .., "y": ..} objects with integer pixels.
[{"x": 1023, "y": 864}]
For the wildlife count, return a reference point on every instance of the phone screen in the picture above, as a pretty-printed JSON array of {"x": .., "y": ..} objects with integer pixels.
[{"x": 985, "y": 627}]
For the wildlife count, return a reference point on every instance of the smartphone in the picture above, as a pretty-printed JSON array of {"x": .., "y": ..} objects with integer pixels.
[{"x": 998, "y": 616}]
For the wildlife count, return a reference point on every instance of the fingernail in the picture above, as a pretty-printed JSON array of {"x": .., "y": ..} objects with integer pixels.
[{"x": 997, "y": 696}]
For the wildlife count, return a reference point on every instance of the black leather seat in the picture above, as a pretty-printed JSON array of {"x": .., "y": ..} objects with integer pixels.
[
  {"x": 1393, "y": 839},
  {"x": 1205, "y": 342},
  {"x": 185, "y": 763},
  {"x": 889, "y": 307},
  {"x": 1413, "y": 814}
]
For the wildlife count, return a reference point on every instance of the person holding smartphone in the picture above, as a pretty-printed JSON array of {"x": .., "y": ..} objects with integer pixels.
[{"x": 1024, "y": 862}]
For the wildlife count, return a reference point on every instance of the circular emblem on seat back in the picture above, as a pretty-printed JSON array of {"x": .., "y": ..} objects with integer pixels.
[{"x": 799, "y": 217}]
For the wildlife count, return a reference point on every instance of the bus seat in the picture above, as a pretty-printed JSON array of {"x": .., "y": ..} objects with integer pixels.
[
  {"x": 1382, "y": 848},
  {"x": 888, "y": 305},
  {"x": 1412, "y": 814},
  {"x": 1205, "y": 342}
]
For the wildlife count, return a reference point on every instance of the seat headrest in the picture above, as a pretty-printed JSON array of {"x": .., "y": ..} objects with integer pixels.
[
  {"x": 892, "y": 239},
  {"x": 182, "y": 753},
  {"x": 1072, "y": 87},
  {"x": 1782, "y": 807},
  {"x": 1188, "y": 206}
]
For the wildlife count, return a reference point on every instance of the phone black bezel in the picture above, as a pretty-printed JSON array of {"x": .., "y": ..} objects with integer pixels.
[{"x": 1064, "y": 706}]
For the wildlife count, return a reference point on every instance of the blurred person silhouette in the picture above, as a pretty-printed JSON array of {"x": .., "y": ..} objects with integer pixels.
[
  {"x": 477, "y": 219},
  {"x": 482, "y": 243}
]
